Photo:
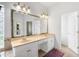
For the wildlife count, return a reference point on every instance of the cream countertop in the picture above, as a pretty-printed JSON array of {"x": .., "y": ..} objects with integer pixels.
[{"x": 18, "y": 41}]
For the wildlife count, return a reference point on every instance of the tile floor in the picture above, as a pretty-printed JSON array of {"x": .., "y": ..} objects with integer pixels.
[
  {"x": 68, "y": 52},
  {"x": 9, "y": 53}
]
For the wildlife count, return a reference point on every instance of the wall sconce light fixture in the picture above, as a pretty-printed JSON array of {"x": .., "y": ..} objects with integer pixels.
[
  {"x": 24, "y": 9},
  {"x": 44, "y": 15}
]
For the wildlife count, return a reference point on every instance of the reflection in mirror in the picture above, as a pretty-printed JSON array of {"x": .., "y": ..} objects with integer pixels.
[
  {"x": 29, "y": 28},
  {"x": 17, "y": 24},
  {"x": 26, "y": 25},
  {"x": 17, "y": 29}
]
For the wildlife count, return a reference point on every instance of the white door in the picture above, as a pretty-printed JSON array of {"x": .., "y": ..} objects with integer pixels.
[{"x": 72, "y": 31}]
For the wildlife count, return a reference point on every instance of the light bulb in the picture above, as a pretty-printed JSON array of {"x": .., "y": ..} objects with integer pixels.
[
  {"x": 43, "y": 15},
  {"x": 24, "y": 9},
  {"x": 18, "y": 8},
  {"x": 46, "y": 17},
  {"x": 28, "y": 11}
]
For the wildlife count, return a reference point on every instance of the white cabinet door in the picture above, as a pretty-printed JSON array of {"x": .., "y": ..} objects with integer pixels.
[
  {"x": 42, "y": 44},
  {"x": 36, "y": 27},
  {"x": 50, "y": 43},
  {"x": 28, "y": 50}
]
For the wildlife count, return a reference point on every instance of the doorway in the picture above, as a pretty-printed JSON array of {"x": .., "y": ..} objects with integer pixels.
[{"x": 69, "y": 29}]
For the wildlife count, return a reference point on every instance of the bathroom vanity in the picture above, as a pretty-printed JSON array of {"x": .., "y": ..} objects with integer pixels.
[
  {"x": 30, "y": 37},
  {"x": 29, "y": 46}
]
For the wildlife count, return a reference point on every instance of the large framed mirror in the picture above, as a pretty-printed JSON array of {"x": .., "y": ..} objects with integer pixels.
[{"x": 26, "y": 25}]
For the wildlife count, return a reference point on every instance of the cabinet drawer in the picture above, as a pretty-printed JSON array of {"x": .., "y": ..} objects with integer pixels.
[
  {"x": 42, "y": 41},
  {"x": 28, "y": 50}
]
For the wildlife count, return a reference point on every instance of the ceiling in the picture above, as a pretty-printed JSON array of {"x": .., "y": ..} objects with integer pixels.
[
  {"x": 42, "y": 5},
  {"x": 48, "y": 4},
  {"x": 38, "y": 7}
]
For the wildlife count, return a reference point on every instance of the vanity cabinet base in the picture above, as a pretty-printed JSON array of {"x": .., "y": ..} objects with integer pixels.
[{"x": 28, "y": 50}]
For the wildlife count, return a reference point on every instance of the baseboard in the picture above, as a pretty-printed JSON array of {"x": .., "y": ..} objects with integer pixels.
[
  {"x": 72, "y": 51},
  {"x": 3, "y": 49}
]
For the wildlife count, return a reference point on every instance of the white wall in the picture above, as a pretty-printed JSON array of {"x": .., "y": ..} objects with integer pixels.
[
  {"x": 7, "y": 21},
  {"x": 55, "y": 27},
  {"x": 2, "y": 27},
  {"x": 64, "y": 30}
]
